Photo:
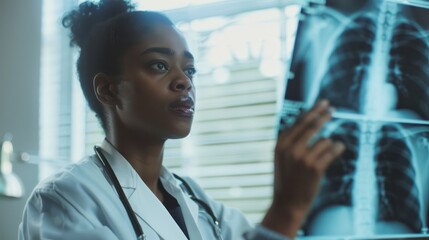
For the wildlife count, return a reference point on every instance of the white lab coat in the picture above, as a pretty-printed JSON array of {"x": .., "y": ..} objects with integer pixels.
[{"x": 81, "y": 203}]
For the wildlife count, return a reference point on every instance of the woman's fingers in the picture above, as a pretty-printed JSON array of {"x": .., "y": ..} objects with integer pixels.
[
  {"x": 303, "y": 122},
  {"x": 318, "y": 148},
  {"x": 296, "y": 141},
  {"x": 324, "y": 151},
  {"x": 329, "y": 155},
  {"x": 302, "y": 142}
]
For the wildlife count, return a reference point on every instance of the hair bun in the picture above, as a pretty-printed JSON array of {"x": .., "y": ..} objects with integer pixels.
[{"x": 83, "y": 19}]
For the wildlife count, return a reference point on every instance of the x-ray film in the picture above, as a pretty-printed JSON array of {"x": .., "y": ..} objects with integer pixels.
[{"x": 370, "y": 59}]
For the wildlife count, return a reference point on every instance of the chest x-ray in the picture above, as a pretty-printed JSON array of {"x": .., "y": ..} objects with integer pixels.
[{"x": 370, "y": 59}]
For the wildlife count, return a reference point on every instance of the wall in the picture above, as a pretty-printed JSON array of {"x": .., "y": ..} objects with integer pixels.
[{"x": 20, "y": 34}]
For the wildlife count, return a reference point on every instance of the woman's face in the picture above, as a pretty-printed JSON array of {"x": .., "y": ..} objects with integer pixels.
[{"x": 155, "y": 90}]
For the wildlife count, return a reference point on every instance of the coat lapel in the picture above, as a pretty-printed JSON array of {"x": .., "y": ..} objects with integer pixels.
[
  {"x": 188, "y": 206},
  {"x": 147, "y": 206},
  {"x": 144, "y": 203}
]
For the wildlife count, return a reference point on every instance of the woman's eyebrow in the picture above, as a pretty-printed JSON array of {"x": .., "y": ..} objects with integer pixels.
[
  {"x": 166, "y": 51},
  {"x": 188, "y": 55}
]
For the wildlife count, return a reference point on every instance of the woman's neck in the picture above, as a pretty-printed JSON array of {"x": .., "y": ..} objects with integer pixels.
[{"x": 143, "y": 153}]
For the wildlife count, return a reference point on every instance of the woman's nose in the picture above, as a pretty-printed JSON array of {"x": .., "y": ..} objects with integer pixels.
[{"x": 181, "y": 83}]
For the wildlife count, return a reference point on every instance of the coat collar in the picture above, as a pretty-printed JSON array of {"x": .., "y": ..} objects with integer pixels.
[
  {"x": 146, "y": 205},
  {"x": 188, "y": 206}
]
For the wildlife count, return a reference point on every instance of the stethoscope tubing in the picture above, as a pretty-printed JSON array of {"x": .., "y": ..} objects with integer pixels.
[
  {"x": 136, "y": 225},
  {"x": 134, "y": 221}
]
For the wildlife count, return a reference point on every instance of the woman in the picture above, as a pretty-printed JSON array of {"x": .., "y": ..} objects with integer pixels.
[{"x": 136, "y": 72}]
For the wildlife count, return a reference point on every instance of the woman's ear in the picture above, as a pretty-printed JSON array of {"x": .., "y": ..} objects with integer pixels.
[{"x": 105, "y": 89}]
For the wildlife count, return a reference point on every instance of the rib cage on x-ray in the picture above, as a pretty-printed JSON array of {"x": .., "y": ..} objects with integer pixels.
[
  {"x": 371, "y": 61},
  {"x": 343, "y": 82},
  {"x": 352, "y": 55},
  {"x": 348, "y": 64},
  {"x": 398, "y": 195},
  {"x": 409, "y": 68},
  {"x": 336, "y": 188}
]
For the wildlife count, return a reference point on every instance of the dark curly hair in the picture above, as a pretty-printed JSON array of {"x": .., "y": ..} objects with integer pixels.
[{"x": 104, "y": 31}]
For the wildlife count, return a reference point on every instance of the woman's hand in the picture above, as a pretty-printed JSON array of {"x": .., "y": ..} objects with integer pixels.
[{"x": 299, "y": 168}]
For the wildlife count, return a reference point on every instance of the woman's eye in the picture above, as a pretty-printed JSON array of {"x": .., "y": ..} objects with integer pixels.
[
  {"x": 190, "y": 72},
  {"x": 159, "y": 66}
]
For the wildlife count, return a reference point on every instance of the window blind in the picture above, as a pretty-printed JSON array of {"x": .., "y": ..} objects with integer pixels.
[{"x": 56, "y": 93}]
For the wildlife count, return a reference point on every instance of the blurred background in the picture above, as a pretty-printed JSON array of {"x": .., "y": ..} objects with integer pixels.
[{"x": 242, "y": 50}]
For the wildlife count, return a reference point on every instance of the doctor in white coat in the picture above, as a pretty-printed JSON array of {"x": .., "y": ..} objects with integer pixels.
[
  {"x": 136, "y": 72},
  {"x": 80, "y": 203}
]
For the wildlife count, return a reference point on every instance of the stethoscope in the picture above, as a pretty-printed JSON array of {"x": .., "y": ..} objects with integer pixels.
[{"x": 136, "y": 225}]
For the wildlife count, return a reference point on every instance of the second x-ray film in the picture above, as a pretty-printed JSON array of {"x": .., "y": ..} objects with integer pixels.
[{"x": 370, "y": 59}]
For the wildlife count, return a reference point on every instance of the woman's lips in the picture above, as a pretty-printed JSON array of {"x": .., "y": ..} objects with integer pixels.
[{"x": 184, "y": 106}]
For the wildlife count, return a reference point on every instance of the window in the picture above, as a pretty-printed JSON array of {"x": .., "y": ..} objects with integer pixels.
[{"x": 241, "y": 53}]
